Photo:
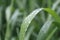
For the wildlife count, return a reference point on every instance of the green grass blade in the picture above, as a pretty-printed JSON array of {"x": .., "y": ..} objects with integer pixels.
[
  {"x": 26, "y": 23},
  {"x": 55, "y": 4},
  {"x": 53, "y": 13},
  {"x": 0, "y": 21},
  {"x": 51, "y": 34},
  {"x": 29, "y": 18},
  {"x": 0, "y": 17},
  {"x": 8, "y": 13},
  {"x": 44, "y": 30},
  {"x": 14, "y": 18},
  {"x": 29, "y": 33}
]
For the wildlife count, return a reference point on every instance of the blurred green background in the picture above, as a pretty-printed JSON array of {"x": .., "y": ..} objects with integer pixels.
[{"x": 13, "y": 12}]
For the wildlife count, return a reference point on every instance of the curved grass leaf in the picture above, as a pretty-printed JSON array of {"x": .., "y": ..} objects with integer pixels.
[
  {"x": 55, "y": 4},
  {"x": 54, "y": 7},
  {"x": 29, "y": 18},
  {"x": 26, "y": 23},
  {"x": 47, "y": 24},
  {"x": 53, "y": 14},
  {"x": 43, "y": 31}
]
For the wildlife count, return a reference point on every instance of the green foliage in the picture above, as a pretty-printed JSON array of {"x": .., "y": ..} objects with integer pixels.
[{"x": 17, "y": 23}]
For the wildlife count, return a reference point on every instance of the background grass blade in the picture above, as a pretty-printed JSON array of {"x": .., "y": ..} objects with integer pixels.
[
  {"x": 29, "y": 33},
  {"x": 14, "y": 18},
  {"x": 8, "y": 16},
  {"x": 51, "y": 34},
  {"x": 0, "y": 17},
  {"x": 43, "y": 31},
  {"x": 0, "y": 20}
]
